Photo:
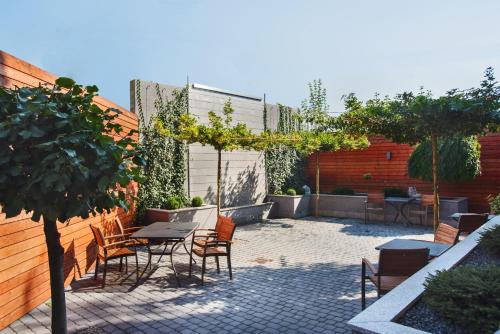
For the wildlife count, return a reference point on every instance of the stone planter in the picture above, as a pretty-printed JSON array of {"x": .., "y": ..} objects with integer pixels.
[
  {"x": 289, "y": 206},
  {"x": 205, "y": 215},
  {"x": 381, "y": 317},
  {"x": 248, "y": 213},
  {"x": 341, "y": 206}
]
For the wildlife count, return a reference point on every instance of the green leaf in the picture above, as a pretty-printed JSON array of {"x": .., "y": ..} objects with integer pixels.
[{"x": 65, "y": 82}]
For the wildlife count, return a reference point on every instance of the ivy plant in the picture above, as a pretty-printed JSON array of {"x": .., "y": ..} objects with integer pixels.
[
  {"x": 165, "y": 171},
  {"x": 61, "y": 156}
]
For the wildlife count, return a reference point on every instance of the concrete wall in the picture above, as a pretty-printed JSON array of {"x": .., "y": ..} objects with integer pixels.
[{"x": 243, "y": 172}]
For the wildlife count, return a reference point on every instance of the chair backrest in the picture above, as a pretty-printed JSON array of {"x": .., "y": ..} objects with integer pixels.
[
  {"x": 402, "y": 262},
  {"x": 468, "y": 223},
  {"x": 376, "y": 198},
  {"x": 427, "y": 200},
  {"x": 120, "y": 225},
  {"x": 225, "y": 228},
  {"x": 98, "y": 236},
  {"x": 446, "y": 234}
]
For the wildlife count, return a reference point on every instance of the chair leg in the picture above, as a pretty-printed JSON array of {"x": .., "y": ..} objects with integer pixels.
[
  {"x": 96, "y": 268},
  {"x": 203, "y": 269},
  {"x": 121, "y": 264},
  {"x": 218, "y": 266},
  {"x": 137, "y": 265},
  {"x": 363, "y": 286},
  {"x": 104, "y": 273},
  {"x": 229, "y": 266}
]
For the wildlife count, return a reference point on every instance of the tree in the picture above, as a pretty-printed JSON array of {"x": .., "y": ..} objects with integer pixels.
[
  {"x": 219, "y": 133},
  {"x": 58, "y": 160},
  {"x": 414, "y": 118},
  {"x": 322, "y": 133}
]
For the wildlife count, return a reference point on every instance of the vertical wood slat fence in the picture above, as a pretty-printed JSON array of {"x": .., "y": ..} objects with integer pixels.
[{"x": 24, "y": 270}]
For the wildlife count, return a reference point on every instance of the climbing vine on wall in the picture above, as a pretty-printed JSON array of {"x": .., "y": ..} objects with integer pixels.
[
  {"x": 284, "y": 167},
  {"x": 165, "y": 170}
]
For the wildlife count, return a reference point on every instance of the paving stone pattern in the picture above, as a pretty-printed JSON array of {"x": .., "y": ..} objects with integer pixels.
[{"x": 290, "y": 276}]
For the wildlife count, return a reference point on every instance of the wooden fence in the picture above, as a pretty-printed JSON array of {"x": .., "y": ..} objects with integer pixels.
[
  {"x": 346, "y": 169},
  {"x": 24, "y": 270}
]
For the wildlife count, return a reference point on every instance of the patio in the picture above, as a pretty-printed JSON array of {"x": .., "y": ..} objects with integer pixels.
[{"x": 289, "y": 275}]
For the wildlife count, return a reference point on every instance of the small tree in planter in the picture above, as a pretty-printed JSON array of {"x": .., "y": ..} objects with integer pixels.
[
  {"x": 58, "y": 160},
  {"x": 220, "y": 134},
  {"x": 415, "y": 118}
]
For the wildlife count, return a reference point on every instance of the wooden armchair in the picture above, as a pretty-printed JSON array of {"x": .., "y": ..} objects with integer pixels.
[
  {"x": 128, "y": 231},
  {"x": 213, "y": 243},
  {"x": 446, "y": 234},
  {"x": 394, "y": 267},
  {"x": 107, "y": 250},
  {"x": 423, "y": 209},
  {"x": 375, "y": 202}
]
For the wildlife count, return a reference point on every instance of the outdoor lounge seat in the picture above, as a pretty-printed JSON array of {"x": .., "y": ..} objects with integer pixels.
[
  {"x": 423, "y": 209},
  {"x": 394, "y": 267},
  {"x": 446, "y": 234},
  {"x": 107, "y": 250},
  {"x": 213, "y": 243},
  {"x": 375, "y": 202},
  {"x": 468, "y": 223}
]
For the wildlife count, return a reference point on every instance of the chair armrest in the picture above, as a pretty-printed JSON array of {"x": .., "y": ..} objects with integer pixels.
[
  {"x": 212, "y": 243},
  {"x": 133, "y": 228},
  {"x": 117, "y": 243},
  {"x": 208, "y": 235},
  {"x": 369, "y": 265},
  {"x": 115, "y": 236}
]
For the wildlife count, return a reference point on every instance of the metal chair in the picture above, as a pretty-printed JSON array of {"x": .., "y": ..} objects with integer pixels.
[
  {"x": 107, "y": 250},
  {"x": 394, "y": 267},
  {"x": 468, "y": 223},
  {"x": 216, "y": 243},
  {"x": 423, "y": 208},
  {"x": 375, "y": 202}
]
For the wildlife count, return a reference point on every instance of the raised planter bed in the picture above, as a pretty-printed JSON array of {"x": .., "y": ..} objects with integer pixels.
[
  {"x": 341, "y": 206},
  {"x": 248, "y": 213},
  {"x": 205, "y": 215},
  {"x": 382, "y": 316},
  {"x": 287, "y": 206}
]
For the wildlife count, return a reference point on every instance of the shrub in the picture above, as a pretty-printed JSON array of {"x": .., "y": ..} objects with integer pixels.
[
  {"x": 343, "y": 191},
  {"x": 367, "y": 176},
  {"x": 291, "y": 192},
  {"x": 466, "y": 296},
  {"x": 395, "y": 192},
  {"x": 490, "y": 241},
  {"x": 494, "y": 202},
  {"x": 173, "y": 203},
  {"x": 196, "y": 202}
]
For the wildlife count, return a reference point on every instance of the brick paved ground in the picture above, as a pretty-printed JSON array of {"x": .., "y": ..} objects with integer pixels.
[{"x": 293, "y": 276}]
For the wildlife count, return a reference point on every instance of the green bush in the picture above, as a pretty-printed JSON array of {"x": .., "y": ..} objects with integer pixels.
[
  {"x": 196, "y": 202},
  {"x": 343, "y": 191},
  {"x": 173, "y": 203},
  {"x": 395, "y": 192},
  {"x": 466, "y": 296},
  {"x": 494, "y": 202},
  {"x": 291, "y": 192},
  {"x": 490, "y": 241}
]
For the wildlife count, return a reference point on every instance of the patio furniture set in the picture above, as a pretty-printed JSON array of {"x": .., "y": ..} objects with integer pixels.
[
  {"x": 401, "y": 258},
  {"x": 163, "y": 239}
]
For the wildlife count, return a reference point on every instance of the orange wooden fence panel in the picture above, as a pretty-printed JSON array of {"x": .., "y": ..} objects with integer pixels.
[
  {"x": 346, "y": 169},
  {"x": 24, "y": 271}
]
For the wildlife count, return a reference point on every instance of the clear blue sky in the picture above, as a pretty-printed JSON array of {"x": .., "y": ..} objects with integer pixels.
[{"x": 256, "y": 47}]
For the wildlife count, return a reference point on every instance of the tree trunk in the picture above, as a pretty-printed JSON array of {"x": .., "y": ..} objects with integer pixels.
[
  {"x": 56, "y": 261},
  {"x": 435, "y": 179},
  {"x": 316, "y": 209},
  {"x": 219, "y": 153}
]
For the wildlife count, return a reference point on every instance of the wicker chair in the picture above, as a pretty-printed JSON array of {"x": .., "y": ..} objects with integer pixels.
[
  {"x": 107, "y": 250},
  {"x": 423, "y": 209},
  {"x": 375, "y": 202},
  {"x": 213, "y": 243},
  {"x": 394, "y": 267}
]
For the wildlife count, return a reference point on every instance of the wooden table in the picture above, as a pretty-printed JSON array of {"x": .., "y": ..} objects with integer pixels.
[
  {"x": 435, "y": 248},
  {"x": 400, "y": 203},
  {"x": 167, "y": 233}
]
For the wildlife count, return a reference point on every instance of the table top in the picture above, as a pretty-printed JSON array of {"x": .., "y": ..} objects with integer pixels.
[
  {"x": 435, "y": 248},
  {"x": 457, "y": 215},
  {"x": 166, "y": 231},
  {"x": 400, "y": 199}
]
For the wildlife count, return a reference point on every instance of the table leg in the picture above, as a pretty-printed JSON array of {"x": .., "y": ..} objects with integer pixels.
[
  {"x": 147, "y": 264},
  {"x": 397, "y": 208},
  {"x": 172, "y": 262},
  {"x": 187, "y": 251},
  {"x": 406, "y": 220}
]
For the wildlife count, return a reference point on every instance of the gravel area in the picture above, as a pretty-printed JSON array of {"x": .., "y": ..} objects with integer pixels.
[{"x": 421, "y": 317}]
